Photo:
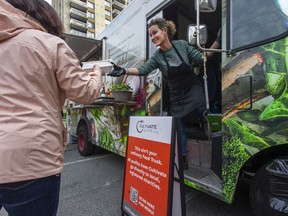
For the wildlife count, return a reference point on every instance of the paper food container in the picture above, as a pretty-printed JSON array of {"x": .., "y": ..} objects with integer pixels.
[{"x": 105, "y": 65}]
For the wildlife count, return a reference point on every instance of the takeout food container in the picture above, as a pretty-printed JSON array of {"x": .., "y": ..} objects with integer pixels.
[{"x": 105, "y": 65}]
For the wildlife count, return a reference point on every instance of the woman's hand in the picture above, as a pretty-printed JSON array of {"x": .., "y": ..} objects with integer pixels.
[
  {"x": 117, "y": 71},
  {"x": 97, "y": 71}
]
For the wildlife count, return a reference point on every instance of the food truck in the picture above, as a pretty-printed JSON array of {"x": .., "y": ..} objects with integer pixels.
[{"x": 245, "y": 84}]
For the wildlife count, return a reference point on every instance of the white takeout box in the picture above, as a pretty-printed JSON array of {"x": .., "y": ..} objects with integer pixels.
[{"x": 105, "y": 65}]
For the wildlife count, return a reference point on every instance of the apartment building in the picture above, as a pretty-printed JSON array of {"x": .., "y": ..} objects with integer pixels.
[{"x": 87, "y": 18}]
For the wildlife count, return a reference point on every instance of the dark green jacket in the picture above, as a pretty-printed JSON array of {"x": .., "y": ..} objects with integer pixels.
[{"x": 189, "y": 54}]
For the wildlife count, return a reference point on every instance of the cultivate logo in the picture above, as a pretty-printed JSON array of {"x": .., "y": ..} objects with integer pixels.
[{"x": 142, "y": 127}]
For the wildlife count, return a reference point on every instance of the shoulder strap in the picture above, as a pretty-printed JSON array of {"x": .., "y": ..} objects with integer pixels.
[
  {"x": 165, "y": 59},
  {"x": 177, "y": 54}
]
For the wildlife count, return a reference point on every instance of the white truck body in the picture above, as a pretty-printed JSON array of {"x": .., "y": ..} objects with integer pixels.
[{"x": 249, "y": 136}]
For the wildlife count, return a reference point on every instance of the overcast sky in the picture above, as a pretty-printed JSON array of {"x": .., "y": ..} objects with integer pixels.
[{"x": 49, "y": 1}]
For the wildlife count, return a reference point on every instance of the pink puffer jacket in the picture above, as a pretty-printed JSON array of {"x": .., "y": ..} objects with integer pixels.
[{"x": 38, "y": 72}]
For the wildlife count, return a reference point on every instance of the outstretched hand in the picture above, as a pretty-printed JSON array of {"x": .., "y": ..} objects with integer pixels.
[
  {"x": 117, "y": 71},
  {"x": 97, "y": 71}
]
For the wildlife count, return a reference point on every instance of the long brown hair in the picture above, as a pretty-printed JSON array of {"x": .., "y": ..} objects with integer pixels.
[{"x": 43, "y": 12}]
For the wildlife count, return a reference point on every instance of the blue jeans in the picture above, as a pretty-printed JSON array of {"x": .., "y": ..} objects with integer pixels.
[
  {"x": 31, "y": 198},
  {"x": 199, "y": 111},
  {"x": 183, "y": 137}
]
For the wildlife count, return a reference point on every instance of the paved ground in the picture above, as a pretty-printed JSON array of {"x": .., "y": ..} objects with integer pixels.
[{"x": 92, "y": 186}]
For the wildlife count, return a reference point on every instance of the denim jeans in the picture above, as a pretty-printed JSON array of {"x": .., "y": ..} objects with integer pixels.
[
  {"x": 31, "y": 198},
  {"x": 199, "y": 111},
  {"x": 183, "y": 137}
]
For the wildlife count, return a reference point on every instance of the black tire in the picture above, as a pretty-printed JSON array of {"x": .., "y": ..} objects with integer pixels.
[
  {"x": 85, "y": 147},
  {"x": 259, "y": 196}
]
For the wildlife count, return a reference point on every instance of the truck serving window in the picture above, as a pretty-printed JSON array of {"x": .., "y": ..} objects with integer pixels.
[{"x": 256, "y": 22}]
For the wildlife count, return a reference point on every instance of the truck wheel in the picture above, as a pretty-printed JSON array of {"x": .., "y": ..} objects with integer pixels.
[
  {"x": 85, "y": 148},
  {"x": 259, "y": 196}
]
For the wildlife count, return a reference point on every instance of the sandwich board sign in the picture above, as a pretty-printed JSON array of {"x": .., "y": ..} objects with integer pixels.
[{"x": 152, "y": 184}]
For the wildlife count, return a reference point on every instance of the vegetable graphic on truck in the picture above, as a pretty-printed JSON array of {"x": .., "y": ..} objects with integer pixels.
[{"x": 246, "y": 94}]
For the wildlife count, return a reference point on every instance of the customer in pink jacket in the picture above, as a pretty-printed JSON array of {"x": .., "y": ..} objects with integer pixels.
[{"x": 38, "y": 72}]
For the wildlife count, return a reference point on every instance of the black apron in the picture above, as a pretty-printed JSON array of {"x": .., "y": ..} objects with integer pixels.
[{"x": 185, "y": 88}]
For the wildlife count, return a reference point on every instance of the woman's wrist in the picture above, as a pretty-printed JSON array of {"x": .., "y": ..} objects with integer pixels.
[{"x": 127, "y": 71}]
